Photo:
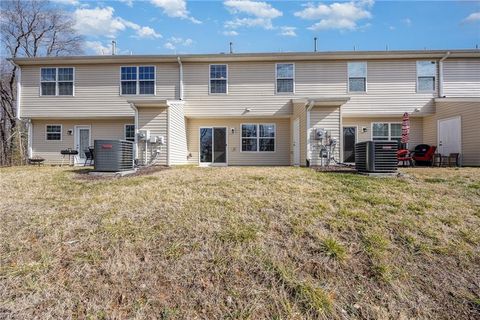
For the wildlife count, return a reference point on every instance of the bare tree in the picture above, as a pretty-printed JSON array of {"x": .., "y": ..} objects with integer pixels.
[{"x": 29, "y": 28}]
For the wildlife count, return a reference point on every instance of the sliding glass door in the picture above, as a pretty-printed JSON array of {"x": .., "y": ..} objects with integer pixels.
[{"x": 213, "y": 146}]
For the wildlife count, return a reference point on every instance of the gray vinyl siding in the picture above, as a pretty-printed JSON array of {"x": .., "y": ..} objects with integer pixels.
[
  {"x": 281, "y": 156},
  {"x": 50, "y": 150},
  {"x": 461, "y": 78},
  {"x": 155, "y": 120},
  {"x": 97, "y": 92},
  {"x": 327, "y": 118},
  {"x": 300, "y": 112},
  {"x": 469, "y": 113},
  {"x": 177, "y": 135}
]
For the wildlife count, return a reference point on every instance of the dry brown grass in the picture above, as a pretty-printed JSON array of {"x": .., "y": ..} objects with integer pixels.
[{"x": 240, "y": 243}]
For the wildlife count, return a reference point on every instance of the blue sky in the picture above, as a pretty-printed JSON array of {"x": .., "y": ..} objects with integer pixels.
[{"x": 179, "y": 26}]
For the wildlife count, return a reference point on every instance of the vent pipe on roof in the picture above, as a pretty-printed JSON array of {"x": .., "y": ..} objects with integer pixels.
[
  {"x": 231, "y": 47},
  {"x": 315, "y": 44},
  {"x": 114, "y": 47}
]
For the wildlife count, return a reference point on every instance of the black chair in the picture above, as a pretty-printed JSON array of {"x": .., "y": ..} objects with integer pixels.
[{"x": 89, "y": 153}]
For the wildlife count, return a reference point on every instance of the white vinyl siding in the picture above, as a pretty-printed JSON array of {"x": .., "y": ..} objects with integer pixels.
[
  {"x": 285, "y": 77},
  {"x": 357, "y": 77},
  {"x": 137, "y": 80},
  {"x": 57, "y": 81},
  {"x": 218, "y": 79},
  {"x": 461, "y": 78},
  {"x": 154, "y": 120},
  {"x": 426, "y": 76},
  {"x": 177, "y": 135}
]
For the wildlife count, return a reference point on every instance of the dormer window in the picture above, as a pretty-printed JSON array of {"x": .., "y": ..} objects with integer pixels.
[
  {"x": 137, "y": 80},
  {"x": 56, "y": 81}
]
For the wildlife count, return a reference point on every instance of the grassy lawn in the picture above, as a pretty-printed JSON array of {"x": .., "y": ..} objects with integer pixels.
[{"x": 240, "y": 243}]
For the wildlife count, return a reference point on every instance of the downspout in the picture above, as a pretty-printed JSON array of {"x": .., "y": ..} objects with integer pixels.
[
  {"x": 132, "y": 105},
  {"x": 310, "y": 106},
  {"x": 181, "y": 76},
  {"x": 440, "y": 67}
]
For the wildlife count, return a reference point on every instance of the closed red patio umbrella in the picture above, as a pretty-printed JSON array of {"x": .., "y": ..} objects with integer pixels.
[{"x": 405, "y": 129}]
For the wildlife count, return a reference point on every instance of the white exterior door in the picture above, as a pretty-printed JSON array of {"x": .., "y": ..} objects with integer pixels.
[
  {"x": 296, "y": 142},
  {"x": 82, "y": 142},
  {"x": 449, "y": 136}
]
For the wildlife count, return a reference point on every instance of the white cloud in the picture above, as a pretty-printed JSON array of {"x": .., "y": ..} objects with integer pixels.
[
  {"x": 288, "y": 31},
  {"x": 175, "y": 9},
  {"x": 259, "y": 14},
  {"x": 127, "y": 2},
  {"x": 407, "y": 22},
  {"x": 102, "y": 22},
  {"x": 174, "y": 42},
  {"x": 473, "y": 17},
  {"x": 338, "y": 15},
  {"x": 255, "y": 8},
  {"x": 391, "y": 28},
  {"x": 67, "y": 2},
  {"x": 230, "y": 33}
]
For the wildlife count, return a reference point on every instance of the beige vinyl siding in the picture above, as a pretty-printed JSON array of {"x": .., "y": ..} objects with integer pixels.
[
  {"x": 391, "y": 89},
  {"x": 416, "y": 128},
  {"x": 461, "y": 78},
  {"x": 327, "y": 118},
  {"x": 281, "y": 156},
  {"x": 97, "y": 92},
  {"x": 469, "y": 113},
  {"x": 50, "y": 149},
  {"x": 154, "y": 120},
  {"x": 177, "y": 135},
  {"x": 300, "y": 112}
]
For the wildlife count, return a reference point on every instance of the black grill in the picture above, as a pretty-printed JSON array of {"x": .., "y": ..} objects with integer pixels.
[
  {"x": 113, "y": 155},
  {"x": 376, "y": 156}
]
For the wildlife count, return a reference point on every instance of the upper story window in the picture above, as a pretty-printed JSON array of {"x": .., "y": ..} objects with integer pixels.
[
  {"x": 56, "y": 81},
  {"x": 130, "y": 132},
  {"x": 218, "y": 78},
  {"x": 137, "y": 80},
  {"x": 426, "y": 71},
  {"x": 53, "y": 132},
  {"x": 357, "y": 77},
  {"x": 285, "y": 77},
  {"x": 258, "y": 137}
]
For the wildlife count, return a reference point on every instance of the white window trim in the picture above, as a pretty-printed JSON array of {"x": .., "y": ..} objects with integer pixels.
[
  {"x": 210, "y": 79},
  {"x": 258, "y": 137},
  {"x": 389, "y": 129},
  {"x": 46, "y": 132},
  {"x": 366, "y": 78},
  {"x": 125, "y": 131},
  {"x": 434, "y": 77},
  {"x": 56, "y": 82},
  {"x": 137, "y": 87},
  {"x": 276, "y": 78}
]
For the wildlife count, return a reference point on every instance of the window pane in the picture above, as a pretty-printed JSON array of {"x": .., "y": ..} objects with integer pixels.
[
  {"x": 130, "y": 132},
  {"x": 426, "y": 68},
  {"x": 426, "y": 84},
  {"x": 65, "y": 74},
  {"x": 54, "y": 132},
  {"x": 218, "y": 86},
  {"x": 357, "y": 84},
  {"x": 129, "y": 73},
  {"x": 48, "y": 74},
  {"x": 380, "y": 129},
  {"x": 284, "y": 85},
  {"x": 249, "y": 130},
  {"x": 395, "y": 130},
  {"x": 249, "y": 144},
  {"x": 48, "y": 88},
  {"x": 65, "y": 88},
  {"x": 266, "y": 144},
  {"x": 54, "y": 129},
  {"x": 147, "y": 87},
  {"x": 129, "y": 87},
  {"x": 267, "y": 130},
  {"x": 285, "y": 70},
  {"x": 218, "y": 71},
  {"x": 146, "y": 73},
  {"x": 357, "y": 69}
]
